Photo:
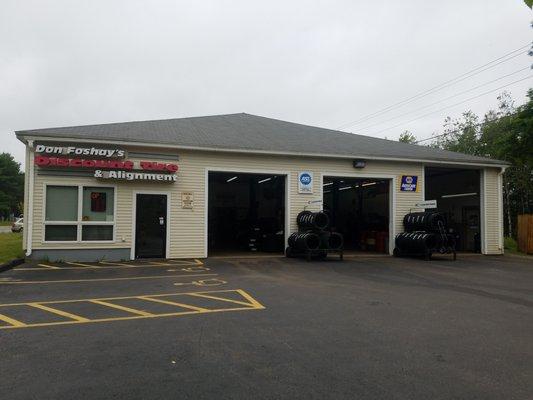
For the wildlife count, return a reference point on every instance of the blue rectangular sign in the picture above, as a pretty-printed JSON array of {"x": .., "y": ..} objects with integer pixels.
[{"x": 409, "y": 183}]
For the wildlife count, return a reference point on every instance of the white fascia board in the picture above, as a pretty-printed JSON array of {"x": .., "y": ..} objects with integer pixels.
[{"x": 263, "y": 152}]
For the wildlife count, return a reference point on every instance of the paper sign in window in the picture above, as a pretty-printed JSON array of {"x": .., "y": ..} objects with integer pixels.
[{"x": 98, "y": 202}]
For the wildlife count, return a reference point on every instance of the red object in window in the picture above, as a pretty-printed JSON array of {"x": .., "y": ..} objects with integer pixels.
[{"x": 98, "y": 202}]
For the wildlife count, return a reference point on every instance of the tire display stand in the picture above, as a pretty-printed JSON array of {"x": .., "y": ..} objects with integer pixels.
[
  {"x": 424, "y": 225},
  {"x": 313, "y": 240},
  {"x": 319, "y": 254}
]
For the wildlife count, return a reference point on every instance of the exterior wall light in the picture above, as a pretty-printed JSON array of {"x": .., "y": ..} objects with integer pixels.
[{"x": 359, "y": 163}]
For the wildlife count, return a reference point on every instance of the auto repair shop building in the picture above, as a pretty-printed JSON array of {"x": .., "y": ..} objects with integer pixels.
[{"x": 225, "y": 184}]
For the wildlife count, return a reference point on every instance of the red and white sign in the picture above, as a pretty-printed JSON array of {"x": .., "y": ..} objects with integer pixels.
[{"x": 115, "y": 169}]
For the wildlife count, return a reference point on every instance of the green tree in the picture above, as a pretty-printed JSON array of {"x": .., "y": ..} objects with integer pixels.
[
  {"x": 507, "y": 135},
  {"x": 461, "y": 135},
  {"x": 407, "y": 137},
  {"x": 11, "y": 186},
  {"x": 504, "y": 134}
]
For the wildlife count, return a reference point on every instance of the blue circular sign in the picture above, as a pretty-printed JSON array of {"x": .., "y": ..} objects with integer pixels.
[{"x": 305, "y": 179}]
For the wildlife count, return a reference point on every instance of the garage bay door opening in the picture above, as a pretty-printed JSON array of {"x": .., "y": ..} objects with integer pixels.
[
  {"x": 246, "y": 213},
  {"x": 457, "y": 192},
  {"x": 359, "y": 208}
]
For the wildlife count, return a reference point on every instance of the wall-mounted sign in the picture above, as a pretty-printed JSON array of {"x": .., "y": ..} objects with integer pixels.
[
  {"x": 305, "y": 182},
  {"x": 80, "y": 151},
  {"x": 427, "y": 204},
  {"x": 115, "y": 169},
  {"x": 187, "y": 199},
  {"x": 134, "y": 176},
  {"x": 409, "y": 183}
]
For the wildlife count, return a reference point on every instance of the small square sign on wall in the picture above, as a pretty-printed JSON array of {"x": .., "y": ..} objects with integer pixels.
[
  {"x": 305, "y": 182},
  {"x": 187, "y": 200},
  {"x": 409, "y": 183}
]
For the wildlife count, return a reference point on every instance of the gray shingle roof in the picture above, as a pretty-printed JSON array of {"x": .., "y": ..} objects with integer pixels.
[{"x": 254, "y": 133}]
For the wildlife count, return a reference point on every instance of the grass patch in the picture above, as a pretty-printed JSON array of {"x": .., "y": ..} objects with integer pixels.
[
  {"x": 510, "y": 244},
  {"x": 10, "y": 246},
  {"x": 5, "y": 223}
]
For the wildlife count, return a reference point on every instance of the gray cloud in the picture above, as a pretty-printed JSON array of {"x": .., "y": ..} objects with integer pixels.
[{"x": 323, "y": 63}]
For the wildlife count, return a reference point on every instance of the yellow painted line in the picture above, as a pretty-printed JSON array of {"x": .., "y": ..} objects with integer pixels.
[
  {"x": 59, "y": 312},
  {"x": 102, "y": 279},
  {"x": 250, "y": 298},
  {"x": 48, "y": 266},
  {"x": 84, "y": 265},
  {"x": 120, "y": 297},
  {"x": 123, "y": 308},
  {"x": 11, "y": 321},
  {"x": 176, "y": 314},
  {"x": 76, "y": 319},
  {"x": 183, "y": 262},
  {"x": 242, "y": 303},
  {"x": 173, "y": 303},
  {"x": 92, "y": 266},
  {"x": 114, "y": 263}
]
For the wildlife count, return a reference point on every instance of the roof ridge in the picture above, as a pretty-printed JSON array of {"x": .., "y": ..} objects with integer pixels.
[{"x": 128, "y": 122}]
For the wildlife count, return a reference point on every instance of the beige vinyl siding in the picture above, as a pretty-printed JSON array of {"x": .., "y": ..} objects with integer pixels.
[
  {"x": 492, "y": 211},
  {"x": 26, "y": 193},
  {"x": 188, "y": 226}
]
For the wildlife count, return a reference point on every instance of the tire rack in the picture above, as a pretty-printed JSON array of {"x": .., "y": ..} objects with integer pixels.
[{"x": 309, "y": 254}]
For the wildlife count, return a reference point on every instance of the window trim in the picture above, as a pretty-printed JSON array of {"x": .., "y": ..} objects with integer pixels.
[{"x": 79, "y": 223}]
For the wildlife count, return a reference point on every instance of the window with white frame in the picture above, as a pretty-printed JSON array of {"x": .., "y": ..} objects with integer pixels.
[{"x": 79, "y": 213}]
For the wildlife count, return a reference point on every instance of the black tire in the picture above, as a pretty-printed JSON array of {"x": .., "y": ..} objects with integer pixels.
[{"x": 288, "y": 252}]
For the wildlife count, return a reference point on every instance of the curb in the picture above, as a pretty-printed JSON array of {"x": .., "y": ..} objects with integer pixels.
[{"x": 11, "y": 264}]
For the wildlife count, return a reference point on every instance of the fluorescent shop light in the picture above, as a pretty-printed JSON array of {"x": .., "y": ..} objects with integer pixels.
[
  {"x": 369, "y": 184},
  {"x": 447, "y": 196},
  {"x": 327, "y": 184},
  {"x": 264, "y": 180},
  {"x": 345, "y": 188},
  {"x": 231, "y": 179}
]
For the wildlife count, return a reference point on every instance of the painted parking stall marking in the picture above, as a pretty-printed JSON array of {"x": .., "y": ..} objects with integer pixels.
[
  {"x": 188, "y": 265},
  {"x": 36, "y": 282},
  {"x": 176, "y": 304}
]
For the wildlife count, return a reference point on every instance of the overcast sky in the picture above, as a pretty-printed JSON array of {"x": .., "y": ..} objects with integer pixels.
[{"x": 322, "y": 63}]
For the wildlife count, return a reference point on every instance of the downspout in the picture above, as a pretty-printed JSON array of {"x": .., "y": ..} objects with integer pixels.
[
  {"x": 500, "y": 208},
  {"x": 29, "y": 218}
]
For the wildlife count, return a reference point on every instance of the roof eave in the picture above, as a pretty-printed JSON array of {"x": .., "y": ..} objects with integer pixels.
[{"x": 24, "y": 136}]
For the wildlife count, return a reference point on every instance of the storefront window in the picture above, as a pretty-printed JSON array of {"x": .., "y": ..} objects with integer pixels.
[
  {"x": 97, "y": 232},
  {"x": 61, "y": 203},
  {"x": 60, "y": 233},
  {"x": 98, "y": 204},
  {"x": 62, "y": 221}
]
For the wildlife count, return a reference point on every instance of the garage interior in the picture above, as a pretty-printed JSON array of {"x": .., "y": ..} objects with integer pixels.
[
  {"x": 359, "y": 209},
  {"x": 457, "y": 192},
  {"x": 246, "y": 213}
]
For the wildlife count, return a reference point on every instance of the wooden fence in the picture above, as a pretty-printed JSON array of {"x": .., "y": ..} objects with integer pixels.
[{"x": 525, "y": 233}]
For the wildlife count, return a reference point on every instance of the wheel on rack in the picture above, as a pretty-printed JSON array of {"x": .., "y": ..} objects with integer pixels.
[{"x": 396, "y": 252}]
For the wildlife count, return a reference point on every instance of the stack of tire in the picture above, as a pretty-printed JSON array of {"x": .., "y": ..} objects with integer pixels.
[
  {"x": 425, "y": 233},
  {"x": 313, "y": 236}
]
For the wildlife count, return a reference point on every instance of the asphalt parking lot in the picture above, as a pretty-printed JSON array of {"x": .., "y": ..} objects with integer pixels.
[{"x": 269, "y": 328}]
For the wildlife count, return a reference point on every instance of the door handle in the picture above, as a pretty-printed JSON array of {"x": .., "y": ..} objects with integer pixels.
[{"x": 161, "y": 220}]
